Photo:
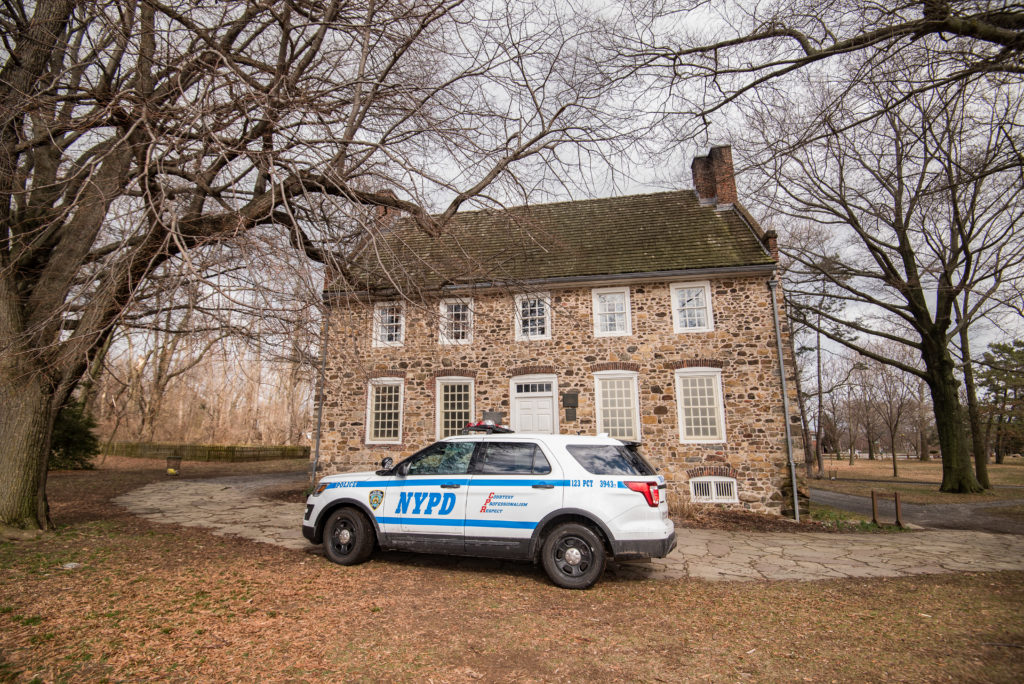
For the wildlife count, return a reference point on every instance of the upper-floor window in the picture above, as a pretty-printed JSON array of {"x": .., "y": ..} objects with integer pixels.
[
  {"x": 388, "y": 324},
  {"x": 700, "y": 405},
  {"x": 611, "y": 312},
  {"x": 456, "y": 321},
  {"x": 691, "y": 307},
  {"x": 533, "y": 317}
]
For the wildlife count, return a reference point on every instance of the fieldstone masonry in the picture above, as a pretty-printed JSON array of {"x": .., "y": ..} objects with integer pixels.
[{"x": 742, "y": 344}]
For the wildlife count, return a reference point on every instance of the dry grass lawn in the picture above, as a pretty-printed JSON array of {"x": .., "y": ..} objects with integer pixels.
[
  {"x": 154, "y": 602},
  {"x": 849, "y": 480}
]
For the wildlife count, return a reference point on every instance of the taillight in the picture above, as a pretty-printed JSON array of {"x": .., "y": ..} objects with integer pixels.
[{"x": 649, "y": 490}]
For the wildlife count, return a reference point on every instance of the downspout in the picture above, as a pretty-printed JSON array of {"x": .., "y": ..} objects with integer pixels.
[
  {"x": 772, "y": 284},
  {"x": 320, "y": 397}
]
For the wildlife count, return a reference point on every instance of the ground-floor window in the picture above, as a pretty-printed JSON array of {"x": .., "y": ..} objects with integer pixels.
[
  {"x": 384, "y": 411},
  {"x": 454, "y": 405},
  {"x": 618, "y": 404},
  {"x": 701, "y": 411},
  {"x": 713, "y": 489}
]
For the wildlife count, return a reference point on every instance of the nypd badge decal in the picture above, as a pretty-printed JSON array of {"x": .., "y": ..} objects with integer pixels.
[{"x": 376, "y": 497}]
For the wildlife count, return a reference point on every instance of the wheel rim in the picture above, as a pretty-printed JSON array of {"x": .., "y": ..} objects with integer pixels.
[
  {"x": 573, "y": 556},
  {"x": 342, "y": 537}
]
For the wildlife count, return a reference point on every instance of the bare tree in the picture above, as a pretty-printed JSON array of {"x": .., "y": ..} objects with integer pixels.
[
  {"x": 914, "y": 209},
  {"x": 136, "y": 135},
  {"x": 702, "y": 57}
]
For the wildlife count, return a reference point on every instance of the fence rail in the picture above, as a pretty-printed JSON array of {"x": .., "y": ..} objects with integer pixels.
[{"x": 205, "y": 452}]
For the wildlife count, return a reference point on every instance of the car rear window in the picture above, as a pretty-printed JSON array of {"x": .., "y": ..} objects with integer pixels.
[{"x": 610, "y": 459}]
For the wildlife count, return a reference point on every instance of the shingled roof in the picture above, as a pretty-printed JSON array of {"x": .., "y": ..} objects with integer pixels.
[{"x": 637, "y": 234}]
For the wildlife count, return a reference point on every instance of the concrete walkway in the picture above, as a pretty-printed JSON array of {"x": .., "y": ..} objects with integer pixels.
[{"x": 233, "y": 506}]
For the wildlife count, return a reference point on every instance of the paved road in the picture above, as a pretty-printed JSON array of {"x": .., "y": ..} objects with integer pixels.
[
  {"x": 233, "y": 506},
  {"x": 939, "y": 516}
]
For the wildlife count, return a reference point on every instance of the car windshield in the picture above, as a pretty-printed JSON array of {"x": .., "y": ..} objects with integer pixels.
[{"x": 610, "y": 459}]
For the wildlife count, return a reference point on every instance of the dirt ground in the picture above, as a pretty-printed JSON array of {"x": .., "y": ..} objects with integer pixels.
[{"x": 108, "y": 597}]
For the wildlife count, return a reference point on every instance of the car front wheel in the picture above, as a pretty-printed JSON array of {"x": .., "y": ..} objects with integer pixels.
[
  {"x": 348, "y": 537},
  {"x": 573, "y": 556}
]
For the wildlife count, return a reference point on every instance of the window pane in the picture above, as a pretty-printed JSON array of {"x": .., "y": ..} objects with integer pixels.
[
  {"x": 455, "y": 407},
  {"x": 457, "y": 323},
  {"x": 698, "y": 396},
  {"x": 386, "y": 406},
  {"x": 504, "y": 458},
  {"x": 608, "y": 459},
  {"x": 691, "y": 307},
  {"x": 450, "y": 458},
  {"x": 389, "y": 324},
  {"x": 533, "y": 317},
  {"x": 618, "y": 407},
  {"x": 611, "y": 312}
]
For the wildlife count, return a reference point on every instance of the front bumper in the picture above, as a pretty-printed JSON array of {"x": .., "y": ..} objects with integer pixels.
[
  {"x": 630, "y": 549},
  {"x": 309, "y": 532}
]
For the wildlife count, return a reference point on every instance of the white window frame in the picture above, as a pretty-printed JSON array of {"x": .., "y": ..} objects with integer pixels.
[
  {"x": 371, "y": 388},
  {"x": 517, "y": 319},
  {"x": 713, "y": 481},
  {"x": 677, "y": 325},
  {"x": 634, "y": 377},
  {"x": 439, "y": 398},
  {"x": 716, "y": 375},
  {"x": 378, "y": 312},
  {"x": 522, "y": 379},
  {"x": 444, "y": 323},
  {"x": 594, "y": 294}
]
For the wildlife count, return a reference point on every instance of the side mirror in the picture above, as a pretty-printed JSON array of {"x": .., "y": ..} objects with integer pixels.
[{"x": 386, "y": 463}]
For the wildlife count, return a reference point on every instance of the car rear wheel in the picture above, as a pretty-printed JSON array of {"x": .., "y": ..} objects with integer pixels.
[
  {"x": 573, "y": 556},
  {"x": 348, "y": 537}
]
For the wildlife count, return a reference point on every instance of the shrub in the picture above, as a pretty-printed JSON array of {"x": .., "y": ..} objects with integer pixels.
[{"x": 73, "y": 445}]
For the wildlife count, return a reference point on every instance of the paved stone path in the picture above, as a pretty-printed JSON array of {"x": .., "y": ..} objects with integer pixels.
[{"x": 232, "y": 506}]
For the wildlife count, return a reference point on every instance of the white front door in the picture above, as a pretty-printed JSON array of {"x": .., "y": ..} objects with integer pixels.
[{"x": 533, "y": 405}]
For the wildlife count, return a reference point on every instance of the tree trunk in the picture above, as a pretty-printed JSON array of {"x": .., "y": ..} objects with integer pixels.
[
  {"x": 818, "y": 433},
  {"x": 922, "y": 425},
  {"x": 957, "y": 473},
  {"x": 974, "y": 414},
  {"x": 25, "y": 426}
]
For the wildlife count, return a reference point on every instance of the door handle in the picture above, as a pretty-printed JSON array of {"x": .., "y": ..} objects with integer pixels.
[
  {"x": 450, "y": 486},
  {"x": 543, "y": 486}
]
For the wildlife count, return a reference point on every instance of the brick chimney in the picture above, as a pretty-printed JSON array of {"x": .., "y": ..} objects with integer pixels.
[{"x": 713, "y": 178}]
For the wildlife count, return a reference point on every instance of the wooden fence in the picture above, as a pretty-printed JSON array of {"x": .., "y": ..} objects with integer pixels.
[{"x": 205, "y": 452}]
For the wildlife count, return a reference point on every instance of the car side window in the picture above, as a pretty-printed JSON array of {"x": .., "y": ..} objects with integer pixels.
[
  {"x": 443, "y": 458},
  {"x": 513, "y": 458}
]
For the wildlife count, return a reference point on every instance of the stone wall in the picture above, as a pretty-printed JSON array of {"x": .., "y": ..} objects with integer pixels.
[{"x": 742, "y": 344}]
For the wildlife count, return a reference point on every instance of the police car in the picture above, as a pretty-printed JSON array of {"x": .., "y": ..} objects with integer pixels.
[{"x": 567, "y": 501}]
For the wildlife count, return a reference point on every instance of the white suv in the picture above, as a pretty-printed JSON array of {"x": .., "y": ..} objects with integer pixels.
[{"x": 568, "y": 501}]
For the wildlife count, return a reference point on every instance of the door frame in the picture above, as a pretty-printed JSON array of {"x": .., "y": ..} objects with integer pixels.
[{"x": 539, "y": 377}]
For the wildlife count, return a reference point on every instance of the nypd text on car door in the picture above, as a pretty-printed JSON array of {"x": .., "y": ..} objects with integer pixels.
[{"x": 427, "y": 501}]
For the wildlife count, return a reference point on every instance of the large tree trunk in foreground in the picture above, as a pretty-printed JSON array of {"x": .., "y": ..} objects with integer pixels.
[{"x": 25, "y": 426}]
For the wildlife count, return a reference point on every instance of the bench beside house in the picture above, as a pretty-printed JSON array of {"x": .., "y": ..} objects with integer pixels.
[{"x": 647, "y": 317}]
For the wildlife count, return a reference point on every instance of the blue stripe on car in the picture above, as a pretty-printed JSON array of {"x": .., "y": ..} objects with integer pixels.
[
  {"x": 457, "y": 522},
  {"x": 381, "y": 484}
]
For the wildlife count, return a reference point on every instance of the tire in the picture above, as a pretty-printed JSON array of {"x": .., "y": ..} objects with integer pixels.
[
  {"x": 348, "y": 537},
  {"x": 573, "y": 556}
]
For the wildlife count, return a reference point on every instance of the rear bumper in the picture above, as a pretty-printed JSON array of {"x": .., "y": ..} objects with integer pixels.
[{"x": 643, "y": 548}]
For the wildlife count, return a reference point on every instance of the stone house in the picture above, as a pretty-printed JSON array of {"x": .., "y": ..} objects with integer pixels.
[{"x": 647, "y": 317}]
